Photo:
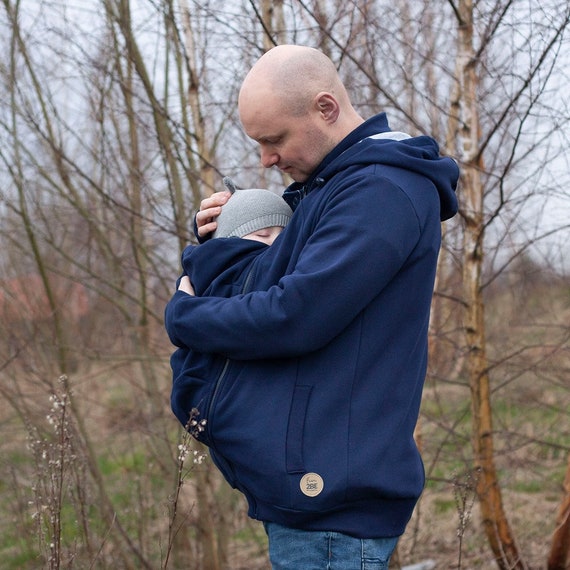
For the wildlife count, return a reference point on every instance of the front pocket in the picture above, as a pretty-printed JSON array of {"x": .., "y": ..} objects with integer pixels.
[{"x": 295, "y": 429}]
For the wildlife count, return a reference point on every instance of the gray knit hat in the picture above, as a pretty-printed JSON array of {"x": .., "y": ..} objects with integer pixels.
[{"x": 250, "y": 210}]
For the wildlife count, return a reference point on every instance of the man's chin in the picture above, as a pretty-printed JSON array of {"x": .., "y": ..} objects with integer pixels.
[
  {"x": 293, "y": 174},
  {"x": 296, "y": 176}
]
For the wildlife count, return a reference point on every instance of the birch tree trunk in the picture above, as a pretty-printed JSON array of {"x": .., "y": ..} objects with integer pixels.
[
  {"x": 493, "y": 515},
  {"x": 273, "y": 23}
]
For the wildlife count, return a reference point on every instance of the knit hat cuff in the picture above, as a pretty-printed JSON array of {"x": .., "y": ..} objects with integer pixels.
[{"x": 266, "y": 221}]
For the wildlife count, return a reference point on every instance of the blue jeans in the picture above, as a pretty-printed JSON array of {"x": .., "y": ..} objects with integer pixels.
[{"x": 293, "y": 549}]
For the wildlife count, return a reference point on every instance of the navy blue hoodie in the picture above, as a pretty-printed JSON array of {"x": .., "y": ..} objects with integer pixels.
[{"x": 325, "y": 353}]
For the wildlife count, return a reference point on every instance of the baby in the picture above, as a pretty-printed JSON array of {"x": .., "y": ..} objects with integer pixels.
[{"x": 220, "y": 268}]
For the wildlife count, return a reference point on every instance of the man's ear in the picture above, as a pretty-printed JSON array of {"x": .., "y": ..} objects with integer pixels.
[{"x": 327, "y": 106}]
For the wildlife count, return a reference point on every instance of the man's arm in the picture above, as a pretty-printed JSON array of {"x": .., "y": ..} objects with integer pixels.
[{"x": 361, "y": 241}]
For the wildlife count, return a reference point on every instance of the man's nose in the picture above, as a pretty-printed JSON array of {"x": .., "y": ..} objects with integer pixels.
[{"x": 269, "y": 158}]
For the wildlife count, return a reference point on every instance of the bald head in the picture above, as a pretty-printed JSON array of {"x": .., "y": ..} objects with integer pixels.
[
  {"x": 295, "y": 93},
  {"x": 296, "y": 74}
]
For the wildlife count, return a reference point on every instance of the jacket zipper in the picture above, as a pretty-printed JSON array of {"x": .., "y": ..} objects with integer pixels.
[
  {"x": 217, "y": 387},
  {"x": 219, "y": 380}
]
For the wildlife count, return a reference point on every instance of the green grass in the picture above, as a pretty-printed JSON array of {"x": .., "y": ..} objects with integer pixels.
[
  {"x": 533, "y": 487},
  {"x": 526, "y": 433},
  {"x": 443, "y": 506},
  {"x": 18, "y": 556}
]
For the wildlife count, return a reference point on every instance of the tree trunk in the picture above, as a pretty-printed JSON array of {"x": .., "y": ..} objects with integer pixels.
[
  {"x": 273, "y": 23},
  {"x": 494, "y": 519}
]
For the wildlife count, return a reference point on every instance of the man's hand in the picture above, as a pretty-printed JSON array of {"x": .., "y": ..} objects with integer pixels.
[
  {"x": 186, "y": 286},
  {"x": 210, "y": 209}
]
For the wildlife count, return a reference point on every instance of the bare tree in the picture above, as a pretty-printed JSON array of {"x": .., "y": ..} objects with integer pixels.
[
  {"x": 493, "y": 515},
  {"x": 473, "y": 140}
]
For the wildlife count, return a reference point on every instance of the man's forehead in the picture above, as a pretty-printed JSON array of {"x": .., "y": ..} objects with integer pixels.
[
  {"x": 262, "y": 122},
  {"x": 262, "y": 135}
]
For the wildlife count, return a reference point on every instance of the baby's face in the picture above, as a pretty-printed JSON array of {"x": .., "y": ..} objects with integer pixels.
[{"x": 265, "y": 235}]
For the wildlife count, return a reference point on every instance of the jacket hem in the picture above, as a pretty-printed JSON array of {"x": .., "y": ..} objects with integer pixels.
[{"x": 378, "y": 518}]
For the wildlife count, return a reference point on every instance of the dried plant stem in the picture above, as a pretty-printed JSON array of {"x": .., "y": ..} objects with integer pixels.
[
  {"x": 464, "y": 493},
  {"x": 193, "y": 428}
]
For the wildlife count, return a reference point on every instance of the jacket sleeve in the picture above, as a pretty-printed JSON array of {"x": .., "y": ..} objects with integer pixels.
[{"x": 363, "y": 237}]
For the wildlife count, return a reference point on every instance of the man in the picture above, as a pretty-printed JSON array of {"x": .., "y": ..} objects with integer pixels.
[{"x": 313, "y": 418}]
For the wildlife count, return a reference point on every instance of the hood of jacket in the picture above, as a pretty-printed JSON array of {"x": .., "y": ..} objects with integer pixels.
[
  {"x": 374, "y": 143},
  {"x": 219, "y": 263}
]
